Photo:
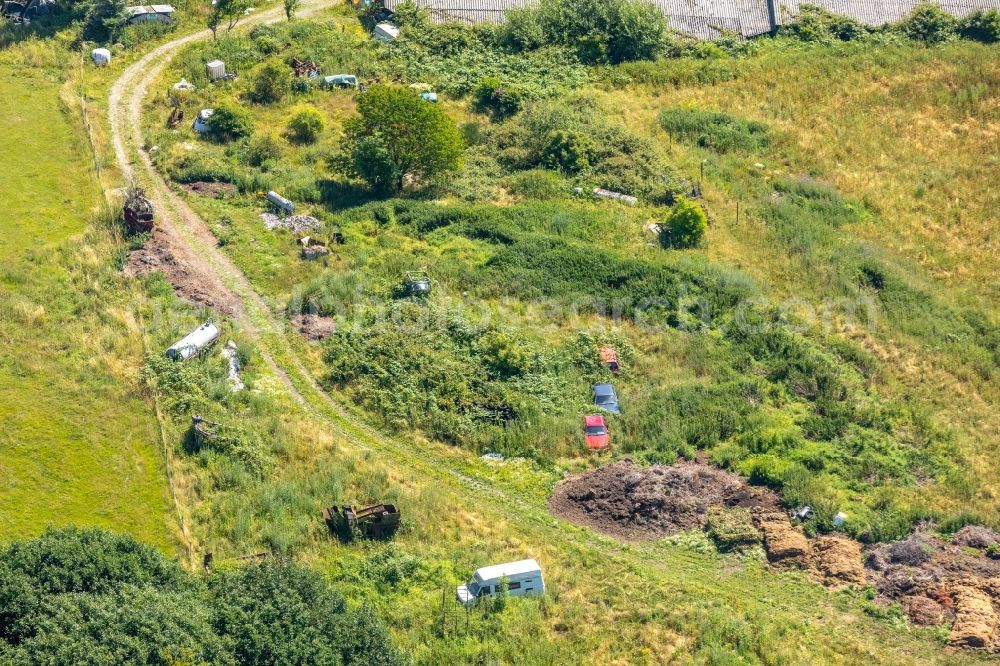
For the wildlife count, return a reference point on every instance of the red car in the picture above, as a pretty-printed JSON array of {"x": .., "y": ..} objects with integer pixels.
[{"x": 595, "y": 433}]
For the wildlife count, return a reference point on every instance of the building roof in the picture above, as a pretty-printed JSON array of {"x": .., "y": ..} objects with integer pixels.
[
  {"x": 509, "y": 569},
  {"x": 140, "y": 10}
]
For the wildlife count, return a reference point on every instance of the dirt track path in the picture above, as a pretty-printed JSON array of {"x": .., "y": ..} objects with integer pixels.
[{"x": 192, "y": 240}]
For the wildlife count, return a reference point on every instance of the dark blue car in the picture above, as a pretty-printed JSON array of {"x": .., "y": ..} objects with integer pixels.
[{"x": 606, "y": 398}]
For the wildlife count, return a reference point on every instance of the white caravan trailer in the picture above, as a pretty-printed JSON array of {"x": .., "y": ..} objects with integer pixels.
[{"x": 524, "y": 578}]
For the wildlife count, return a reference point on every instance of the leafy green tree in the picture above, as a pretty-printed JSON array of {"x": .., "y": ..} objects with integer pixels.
[
  {"x": 271, "y": 81},
  {"x": 685, "y": 226},
  {"x": 104, "y": 20},
  {"x": 228, "y": 12},
  {"x": 92, "y": 597},
  {"x": 89, "y": 597},
  {"x": 408, "y": 137},
  {"x": 230, "y": 122},
  {"x": 306, "y": 124},
  {"x": 291, "y": 6}
]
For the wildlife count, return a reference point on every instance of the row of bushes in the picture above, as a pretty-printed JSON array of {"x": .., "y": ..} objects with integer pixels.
[{"x": 928, "y": 23}]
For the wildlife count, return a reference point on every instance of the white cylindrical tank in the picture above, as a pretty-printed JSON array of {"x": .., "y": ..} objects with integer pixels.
[
  {"x": 216, "y": 70},
  {"x": 193, "y": 342},
  {"x": 281, "y": 202},
  {"x": 101, "y": 57}
]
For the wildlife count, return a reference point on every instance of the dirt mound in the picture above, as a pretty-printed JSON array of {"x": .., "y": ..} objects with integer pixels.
[
  {"x": 314, "y": 327},
  {"x": 785, "y": 545},
  {"x": 924, "y": 611},
  {"x": 209, "y": 189},
  {"x": 975, "y": 620},
  {"x": 837, "y": 560},
  {"x": 191, "y": 282},
  {"x": 975, "y": 536},
  {"x": 633, "y": 502}
]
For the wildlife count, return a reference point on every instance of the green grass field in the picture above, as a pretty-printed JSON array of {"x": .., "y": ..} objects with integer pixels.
[{"x": 78, "y": 445}]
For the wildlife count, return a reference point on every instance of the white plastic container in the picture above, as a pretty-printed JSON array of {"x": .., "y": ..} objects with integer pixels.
[
  {"x": 101, "y": 57},
  {"x": 216, "y": 70}
]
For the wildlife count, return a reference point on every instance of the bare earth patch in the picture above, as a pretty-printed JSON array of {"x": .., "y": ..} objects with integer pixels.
[
  {"x": 192, "y": 282},
  {"x": 314, "y": 327},
  {"x": 209, "y": 189}
]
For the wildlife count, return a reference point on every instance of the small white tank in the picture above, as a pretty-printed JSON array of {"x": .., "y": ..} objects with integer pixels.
[
  {"x": 216, "y": 70},
  {"x": 193, "y": 342},
  {"x": 101, "y": 57},
  {"x": 280, "y": 202}
]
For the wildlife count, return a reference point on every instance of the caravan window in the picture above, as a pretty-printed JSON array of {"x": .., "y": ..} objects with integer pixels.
[
  {"x": 484, "y": 590},
  {"x": 514, "y": 586}
]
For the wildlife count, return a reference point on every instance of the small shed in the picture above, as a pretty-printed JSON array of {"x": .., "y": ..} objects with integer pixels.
[
  {"x": 386, "y": 32},
  {"x": 145, "y": 13},
  {"x": 101, "y": 57},
  {"x": 216, "y": 70},
  {"x": 201, "y": 123},
  {"x": 340, "y": 81}
]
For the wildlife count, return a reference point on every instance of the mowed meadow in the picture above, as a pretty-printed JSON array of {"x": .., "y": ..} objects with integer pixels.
[{"x": 78, "y": 443}]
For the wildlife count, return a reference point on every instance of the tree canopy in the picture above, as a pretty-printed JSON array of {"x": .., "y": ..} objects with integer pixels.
[
  {"x": 397, "y": 135},
  {"x": 93, "y": 597}
]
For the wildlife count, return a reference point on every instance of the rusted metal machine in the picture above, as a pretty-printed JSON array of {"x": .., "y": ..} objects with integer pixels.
[
  {"x": 378, "y": 521},
  {"x": 138, "y": 211}
]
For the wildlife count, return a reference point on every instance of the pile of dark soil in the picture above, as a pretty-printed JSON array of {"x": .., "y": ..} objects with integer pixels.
[{"x": 632, "y": 502}]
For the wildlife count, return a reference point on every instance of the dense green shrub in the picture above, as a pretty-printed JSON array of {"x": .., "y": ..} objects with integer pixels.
[
  {"x": 286, "y": 613},
  {"x": 306, "y": 125},
  {"x": 612, "y": 31},
  {"x": 685, "y": 226},
  {"x": 262, "y": 149},
  {"x": 270, "y": 81},
  {"x": 230, "y": 121},
  {"x": 500, "y": 100},
  {"x": 981, "y": 25},
  {"x": 929, "y": 23},
  {"x": 716, "y": 131},
  {"x": 105, "y": 20},
  {"x": 817, "y": 24},
  {"x": 574, "y": 138},
  {"x": 398, "y": 135}
]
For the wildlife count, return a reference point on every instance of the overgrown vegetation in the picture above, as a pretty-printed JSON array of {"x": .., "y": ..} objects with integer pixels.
[{"x": 87, "y": 596}]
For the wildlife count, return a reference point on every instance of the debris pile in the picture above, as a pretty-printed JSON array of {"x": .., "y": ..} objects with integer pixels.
[
  {"x": 296, "y": 223},
  {"x": 633, "y": 502},
  {"x": 231, "y": 354}
]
